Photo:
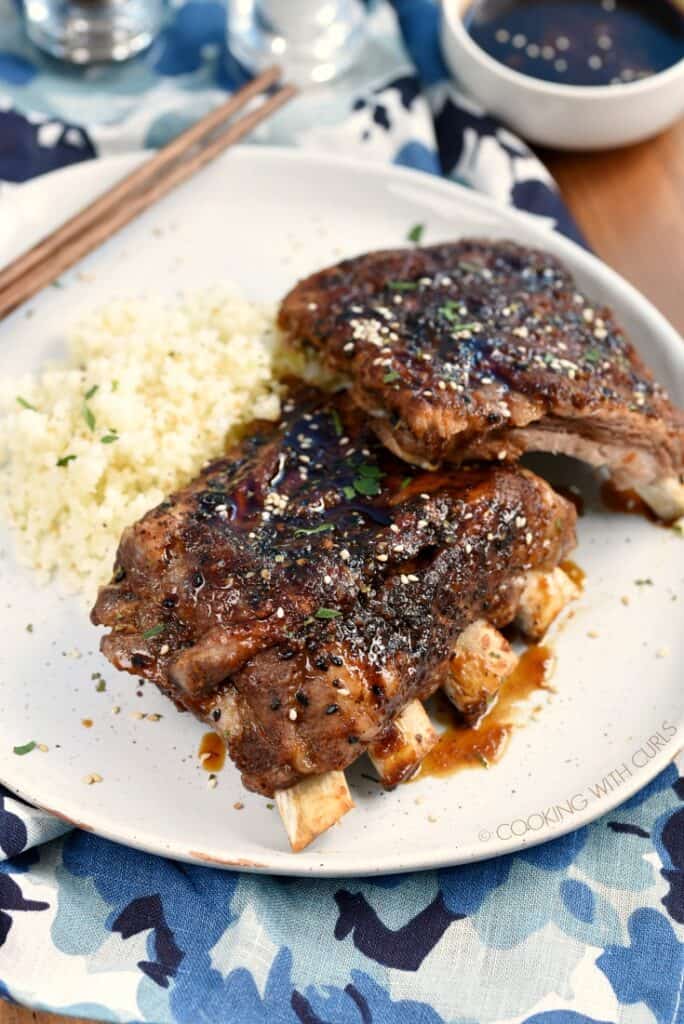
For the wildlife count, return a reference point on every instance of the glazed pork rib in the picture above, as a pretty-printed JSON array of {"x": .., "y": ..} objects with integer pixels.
[
  {"x": 305, "y": 592},
  {"x": 485, "y": 350}
]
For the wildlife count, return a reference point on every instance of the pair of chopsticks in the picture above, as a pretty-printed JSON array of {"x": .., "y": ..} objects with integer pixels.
[{"x": 169, "y": 167}]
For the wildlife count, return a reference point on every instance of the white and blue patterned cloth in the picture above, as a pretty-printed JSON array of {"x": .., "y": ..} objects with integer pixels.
[{"x": 585, "y": 929}]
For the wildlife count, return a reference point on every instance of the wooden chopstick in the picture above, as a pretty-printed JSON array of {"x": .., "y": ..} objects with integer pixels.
[{"x": 171, "y": 166}]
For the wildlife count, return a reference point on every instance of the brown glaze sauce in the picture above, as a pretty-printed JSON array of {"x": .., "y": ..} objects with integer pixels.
[
  {"x": 212, "y": 752},
  {"x": 627, "y": 502},
  {"x": 87, "y": 723},
  {"x": 577, "y": 575},
  {"x": 463, "y": 746}
]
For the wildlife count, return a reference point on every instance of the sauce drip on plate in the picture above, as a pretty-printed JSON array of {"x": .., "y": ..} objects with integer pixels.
[
  {"x": 212, "y": 752},
  {"x": 463, "y": 746},
  {"x": 580, "y": 42}
]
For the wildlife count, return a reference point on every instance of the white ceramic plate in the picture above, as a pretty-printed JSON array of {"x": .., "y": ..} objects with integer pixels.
[{"x": 265, "y": 217}]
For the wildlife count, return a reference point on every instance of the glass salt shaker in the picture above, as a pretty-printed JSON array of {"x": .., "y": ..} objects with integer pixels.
[
  {"x": 313, "y": 41},
  {"x": 87, "y": 31}
]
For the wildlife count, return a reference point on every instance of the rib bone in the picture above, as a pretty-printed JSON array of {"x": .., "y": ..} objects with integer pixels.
[
  {"x": 666, "y": 497},
  {"x": 481, "y": 661},
  {"x": 408, "y": 740},
  {"x": 543, "y": 597},
  {"x": 312, "y": 806}
]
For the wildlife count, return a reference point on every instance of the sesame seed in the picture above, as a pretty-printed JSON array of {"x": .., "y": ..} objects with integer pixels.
[
  {"x": 344, "y": 555},
  {"x": 394, "y": 528},
  {"x": 412, "y": 578},
  {"x": 153, "y": 717},
  {"x": 292, "y": 714},
  {"x": 92, "y": 779},
  {"x": 43, "y": 747},
  {"x": 116, "y": 709},
  {"x": 528, "y": 537},
  {"x": 280, "y": 613},
  {"x": 468, "y": 548},
  {"x": 382, "y": 558},
  {"x": 501, "y": 456},
  {"x": 212, "y": 782},
  {"x": 138, "y": 715}
]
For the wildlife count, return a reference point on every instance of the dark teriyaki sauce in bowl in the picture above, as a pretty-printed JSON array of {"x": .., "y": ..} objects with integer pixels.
[{"x": 580, "y": 42}]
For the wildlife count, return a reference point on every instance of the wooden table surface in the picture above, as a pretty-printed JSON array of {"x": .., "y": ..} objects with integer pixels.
[{"x": 630, "y": 206}]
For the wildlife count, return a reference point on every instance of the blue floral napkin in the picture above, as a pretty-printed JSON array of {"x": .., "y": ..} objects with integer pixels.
[{"x": 585, "y": 929}]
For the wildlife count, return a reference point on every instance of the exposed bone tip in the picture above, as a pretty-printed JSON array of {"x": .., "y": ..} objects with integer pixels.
[
  {"x": 481, "y": 662},
  {"x": 312, "y": 806},
  {"x": 543, "y": 597},
  {"x": 665, "y": 497},
  {"x": 410, "y": 738}
]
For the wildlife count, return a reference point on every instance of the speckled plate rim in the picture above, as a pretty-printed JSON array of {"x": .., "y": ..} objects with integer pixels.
[{"x": 423, "y": 188}]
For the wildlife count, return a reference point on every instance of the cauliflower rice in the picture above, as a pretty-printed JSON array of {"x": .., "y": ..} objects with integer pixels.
[{"x": 148, "y": 393}]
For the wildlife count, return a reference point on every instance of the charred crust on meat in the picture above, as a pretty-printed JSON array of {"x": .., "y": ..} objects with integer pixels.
[{"x": 307, "y": 573}]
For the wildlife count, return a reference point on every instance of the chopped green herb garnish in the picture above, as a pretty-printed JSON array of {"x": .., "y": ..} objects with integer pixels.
[
  {"x": 306, "y": 622},
  {"x": 88, "y": 416},
  {"x": 592, "y": 355},
  {"x": 25, "y": 404},
  {"x": 648, "y": 582},
  {"x": 406, "y": 481},
  {"x": 470, "y": 268},
  {"x": 101, "y": 686},
  {"x": 29, "y": 627},
  {"x": 57, "y": 284},
  {"x": 154, "y": 631},
  {"x": 482, "y": 759},
  {"x": 369, "y": 486},
  {"x": 450, "y": 312},
  {"x": 349, "y": 493},
  {"x": 115, "y": 385},
  {"x": 327, "y": 613},
  {"x": 26, "y": 748},
  {"x": 109, "y": 438},
  {"x": 368, "y": 469},
  {"x": 367, "y": 480},
  {"x": 337, "y": 422},
  {"x": 390, "y": 377},
  {"x": 65, "y": 460},
  {"x": 89, "y": 394},
  {"x": 416, "y": 233},
  {"x": 402, "y": 286},
  {"x": 304, "y": 532}
]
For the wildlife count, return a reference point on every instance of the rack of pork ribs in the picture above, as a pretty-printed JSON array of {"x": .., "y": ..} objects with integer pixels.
[{"x": 310, "y": 590}]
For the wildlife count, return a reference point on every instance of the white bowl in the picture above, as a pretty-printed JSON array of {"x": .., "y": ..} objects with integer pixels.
[{"x": 561, "y": 116}]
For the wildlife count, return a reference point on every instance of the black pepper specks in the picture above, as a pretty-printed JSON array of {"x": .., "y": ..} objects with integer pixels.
[{"x": 332, "y": 709}]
